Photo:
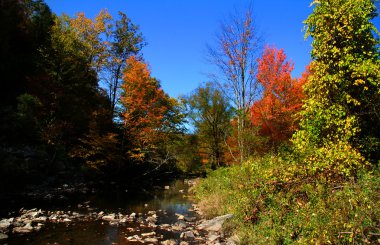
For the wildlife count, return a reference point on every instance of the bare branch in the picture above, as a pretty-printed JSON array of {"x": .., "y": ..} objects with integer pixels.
[{"x": 235, "y": 56}]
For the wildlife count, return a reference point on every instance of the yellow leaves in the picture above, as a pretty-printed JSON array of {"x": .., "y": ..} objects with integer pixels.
[
  {"x": 351, "y": 100},
  {"x": 359, "y": 82}
]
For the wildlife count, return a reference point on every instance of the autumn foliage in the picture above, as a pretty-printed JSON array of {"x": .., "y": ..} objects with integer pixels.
[
  {"x": 145, "y": 103},
  {"x": 282, "y": 97}
]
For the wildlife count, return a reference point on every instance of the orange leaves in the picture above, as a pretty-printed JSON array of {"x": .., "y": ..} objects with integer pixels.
[
  {"x": 145, "y": 103},
  {"x": 282, "y": 96}
]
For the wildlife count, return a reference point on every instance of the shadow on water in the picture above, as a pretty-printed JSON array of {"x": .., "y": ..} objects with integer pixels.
[{"x": 166, "y": 202}]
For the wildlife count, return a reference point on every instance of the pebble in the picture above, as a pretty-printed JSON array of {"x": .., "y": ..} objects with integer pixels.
[
  {"x": 187, "y": 235},
  {"x": 151, "y": 240},
  {"x": 148, "y": 234},
  {"x": 169, "y": 242}
]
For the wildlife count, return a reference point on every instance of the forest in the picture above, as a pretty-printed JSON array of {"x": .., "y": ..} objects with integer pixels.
[{"x": 294, "y": 159}]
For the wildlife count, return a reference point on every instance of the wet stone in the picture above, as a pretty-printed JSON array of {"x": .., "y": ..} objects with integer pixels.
[
  {"x": 151, "y": 240},
  {"x": 165, "y": 226},
  {"x": 108, "y": 217},
  {"x": 187, "y": 235},
  {"x": 148, "y": 234},
  {"x": 3, "y": 237},
  {"x": 5, "y": 223},
  {"x": 190, "y": 219},
  {"x": 23, "y": 229},
  {"x": 169, "y": 242}
]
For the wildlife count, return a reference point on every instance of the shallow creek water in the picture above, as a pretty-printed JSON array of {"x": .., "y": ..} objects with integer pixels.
[{"x": 166, "y": 202}]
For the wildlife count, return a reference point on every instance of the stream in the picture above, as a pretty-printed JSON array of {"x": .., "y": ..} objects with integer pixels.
[{"x": 112, "y": 216}]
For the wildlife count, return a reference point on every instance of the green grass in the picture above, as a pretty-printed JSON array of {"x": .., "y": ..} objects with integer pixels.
[{"x": 271, "y": 210}]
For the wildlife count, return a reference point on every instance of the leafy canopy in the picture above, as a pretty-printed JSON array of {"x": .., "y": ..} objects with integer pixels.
[{"x": 343, "y": 91}]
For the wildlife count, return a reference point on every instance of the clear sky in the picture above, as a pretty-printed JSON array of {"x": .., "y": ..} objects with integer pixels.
[{"x": 177, "y": 32}]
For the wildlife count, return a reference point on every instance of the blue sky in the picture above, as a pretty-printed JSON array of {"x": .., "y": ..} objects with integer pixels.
[{"x": 177, "y": 32}]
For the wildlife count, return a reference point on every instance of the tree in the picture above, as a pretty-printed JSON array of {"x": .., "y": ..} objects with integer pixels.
[
  {"x": 107, "y": 44},
  {"x": 210, "y": 113},
  {"x": 126, "y": 41},
  {"x": 282, "y": 97},
  {"x": 93, "y": 35},
  {"x": 147, "y": 110},
  {"x": 342, "y": 106},
  {"x": 235, "y": 57},
  {"x": 24, "y": 30}
]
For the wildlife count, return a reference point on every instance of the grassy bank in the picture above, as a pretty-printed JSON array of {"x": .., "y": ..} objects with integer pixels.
[{"x": 269, "y": 209}]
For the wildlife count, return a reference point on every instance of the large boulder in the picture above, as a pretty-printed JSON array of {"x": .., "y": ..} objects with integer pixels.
[{"x": 214, "y": 224}]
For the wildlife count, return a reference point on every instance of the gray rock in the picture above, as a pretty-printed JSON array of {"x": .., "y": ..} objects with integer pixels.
[
  {"x": 53, "y": 217},
  {"x": 108, "y": 217},
  {"x": 214, "y": 224},
  {"x": 134, "y": 238},
  {"x": 41, "y": 219},
  {"x": 151, "y": 240},
  {"x": 3, "y": 237},
  {"x": 180, "y": 216},
  {"x": 5, "y": 223},
  {"x": 18, "y": 223},
  {"x": 152, "y": 219},
  {"x": 180, "y": 225},
  {"x": 187, "y": 235},
  {"x": 123, "y": 220},
  {"x": 148, "y": 234},
  {"x": 177, "y": 228},
  {"x": 24, "y": 229},
  {"x": 213, "y": 238},
  {"x": 114, "y": 223},
  {"x": 169, "y": 242},
  {"x": 190, "y": 219},
  {"x": 165, "y": 226}
]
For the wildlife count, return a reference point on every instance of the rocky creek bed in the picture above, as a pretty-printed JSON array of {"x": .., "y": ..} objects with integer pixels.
[{"x": 166, "y": 216}]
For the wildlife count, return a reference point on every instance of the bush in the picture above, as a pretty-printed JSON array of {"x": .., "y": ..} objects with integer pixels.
[{"x": 269, "y": 209}]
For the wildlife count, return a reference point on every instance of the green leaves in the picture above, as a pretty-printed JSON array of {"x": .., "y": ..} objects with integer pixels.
[
  {"x": 210, "y": 113},
  {"x": 342, "y": 88}
]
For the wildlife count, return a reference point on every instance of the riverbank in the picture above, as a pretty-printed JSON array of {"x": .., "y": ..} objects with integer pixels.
[{"x": 270, "y": 209}]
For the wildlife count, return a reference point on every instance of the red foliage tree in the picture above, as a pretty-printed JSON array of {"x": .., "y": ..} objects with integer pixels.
[
  {"x": 282, "y": 97},
  {"x": 145, "y": 104}
]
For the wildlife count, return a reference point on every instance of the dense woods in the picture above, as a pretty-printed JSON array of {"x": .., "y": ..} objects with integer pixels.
[
  {"x": 294, "y": 158},
  {"x": 77, "y": 95}
]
